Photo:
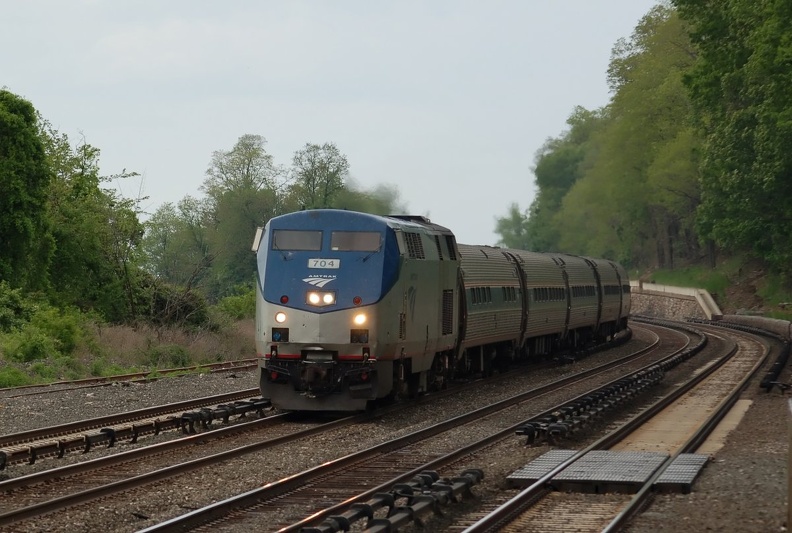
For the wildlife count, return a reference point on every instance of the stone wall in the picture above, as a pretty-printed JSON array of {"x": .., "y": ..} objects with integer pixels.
[{"x": 666, "y": 305}]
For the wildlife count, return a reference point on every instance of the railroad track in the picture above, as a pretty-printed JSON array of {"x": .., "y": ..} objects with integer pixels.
[
  {"x": 28, "y": 512},
  {"x": 450, "y": 443},
  {"x": 662, "y": 440},
  {"x": 372, "y": 470},
  {"x": 31, "y": 495},
  {"x": 83, "y": 435},
  {"x": 104, "y": 381}
]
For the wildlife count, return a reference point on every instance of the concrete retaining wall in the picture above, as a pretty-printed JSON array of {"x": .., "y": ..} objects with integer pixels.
[{"x": 675, "y": 303}]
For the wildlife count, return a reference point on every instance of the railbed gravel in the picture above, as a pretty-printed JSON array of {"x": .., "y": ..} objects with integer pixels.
[{"x": 742, "y": 489}]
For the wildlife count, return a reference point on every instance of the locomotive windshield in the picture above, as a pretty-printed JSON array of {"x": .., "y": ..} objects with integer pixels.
[
  {"x": 355, "y": 241},
  {"x": 295, "y": 240}
]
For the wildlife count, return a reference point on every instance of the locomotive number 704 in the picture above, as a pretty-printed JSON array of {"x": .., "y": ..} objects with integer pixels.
[{"x": 324, "y": 263}]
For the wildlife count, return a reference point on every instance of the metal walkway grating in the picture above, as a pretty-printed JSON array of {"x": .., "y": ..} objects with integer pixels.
[
  {"x": 603, "y": 471},
  {"x": 681, "y": 474}
]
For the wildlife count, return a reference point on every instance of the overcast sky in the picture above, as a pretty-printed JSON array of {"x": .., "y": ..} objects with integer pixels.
[{"x": 447, "y": 100}]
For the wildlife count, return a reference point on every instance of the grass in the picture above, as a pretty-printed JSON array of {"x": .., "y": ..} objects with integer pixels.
[
  {"x": 115, "y": 350},
  {"x": 714, "y": 281}
]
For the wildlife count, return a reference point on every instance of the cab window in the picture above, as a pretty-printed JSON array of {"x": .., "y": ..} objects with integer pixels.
[
  {"x": 288, "y": 239},
  {"x": 355, "y": 241}
]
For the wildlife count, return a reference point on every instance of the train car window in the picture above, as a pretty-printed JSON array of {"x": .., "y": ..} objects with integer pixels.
[
  {"x": 355, "y": 241},
  {"x": 295, "y": 240}
]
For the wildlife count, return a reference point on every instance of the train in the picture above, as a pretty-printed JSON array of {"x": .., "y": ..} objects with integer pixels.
[{"x": 355, "y": 308}]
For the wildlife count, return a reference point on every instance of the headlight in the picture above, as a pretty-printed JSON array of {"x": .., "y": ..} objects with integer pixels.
[
  {"x": 360, "y": 319},
  {"x": 280, "y": 317},
  {"x": 320, "y": 298}
]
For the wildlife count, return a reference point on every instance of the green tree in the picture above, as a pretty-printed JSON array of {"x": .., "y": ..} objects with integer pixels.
[
  {"x": 638, "y": 192},
  {"x": 96, "y": 231},
  {"x": 740, "y": 88},
  {"x": 319, "y": 173},
  {"x": 558, "y": 166},
  {"x": 25, "y": 231},
  {"x": 513, "y": 229},
  {"x": 176, "y": 244},
  {"x": 244, "y": 190}
]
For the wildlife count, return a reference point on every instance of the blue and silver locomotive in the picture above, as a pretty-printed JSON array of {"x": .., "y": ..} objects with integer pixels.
[{"x": 353, "y": 307}]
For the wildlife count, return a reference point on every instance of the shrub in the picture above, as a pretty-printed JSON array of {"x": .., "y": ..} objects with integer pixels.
[
  {"x": 47, "y": 372},
  {"x": 168, "y": 356},
  {"x": 15, "y": 309},
  {"x": 13, "y": 377},
  {"x": 66, "y": 327},
  {"x": 29, "y": 344},
  {"x": 239, "y": 307}
]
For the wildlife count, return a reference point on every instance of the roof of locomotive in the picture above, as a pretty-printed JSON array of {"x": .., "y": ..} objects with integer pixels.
[{"x": 394, "y": 221}]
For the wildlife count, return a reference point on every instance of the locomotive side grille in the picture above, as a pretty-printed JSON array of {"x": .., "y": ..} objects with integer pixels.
[
  {"x": 414, "y": 245},
  {"x": 451, "y": 247},
  {"x": 439, "y": 249},
  {"x": 402, "y": 325},
  {"x": 448, "y": 311}
]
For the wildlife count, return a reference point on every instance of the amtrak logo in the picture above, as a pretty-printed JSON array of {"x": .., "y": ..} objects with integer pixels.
[{"x": 318, "y": 281}]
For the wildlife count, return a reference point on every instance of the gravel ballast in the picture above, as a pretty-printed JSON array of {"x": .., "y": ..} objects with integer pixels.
[{"x": 743, "y": 488}]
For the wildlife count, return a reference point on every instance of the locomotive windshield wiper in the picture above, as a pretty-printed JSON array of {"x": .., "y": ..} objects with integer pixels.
[
  {"x": 287, "y": 256},
  {"x": 369, "y": 255}
]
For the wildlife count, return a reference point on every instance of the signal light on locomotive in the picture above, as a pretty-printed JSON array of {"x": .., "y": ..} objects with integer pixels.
[
  {"x": 280, "y": 317},
  {"x": 357, "y": 300},
  {"x": 284, "y": 299},
  {"x": 328, "y": 298},
  {"x": 360, "y": 319}
]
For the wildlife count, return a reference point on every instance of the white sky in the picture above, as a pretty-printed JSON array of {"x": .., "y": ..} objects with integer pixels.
[{"x": 448, "y": 100}]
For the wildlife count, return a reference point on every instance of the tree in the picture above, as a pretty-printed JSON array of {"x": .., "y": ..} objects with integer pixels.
[
  {"x": 558, "y": 166},
  {"x": 638, "y": 192},
  {"x": 176, "y": 244},
  {"x": 512, "y": 229},
  {"x": 97, "y": 232},
  {"x": 244, "y": 189},
  {"x": 246, "y": 167},
  {"x": 25, "y": 231},
  {"x": 319, "y": 173},
  {"x": 740, "y": 89}
]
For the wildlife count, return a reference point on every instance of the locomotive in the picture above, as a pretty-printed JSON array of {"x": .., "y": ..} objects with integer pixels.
[{"x": 353, "y": 307}]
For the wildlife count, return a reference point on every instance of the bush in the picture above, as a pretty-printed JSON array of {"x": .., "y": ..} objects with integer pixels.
[
  {"x": 47, "y": 372},
  {"x": 15, "y": 309},
  {"x": 239, "y": 307},
  {"x": 66, "y": 327},
  {"x": 13, "y": 377},
  {"x": 29, "y": 344},
  {"x": 168, "y": 356}
]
